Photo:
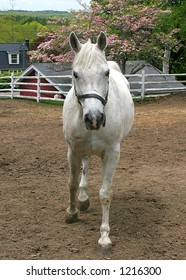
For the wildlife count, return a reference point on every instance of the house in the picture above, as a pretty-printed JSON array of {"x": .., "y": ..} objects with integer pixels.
[
  {"x": 13, "y": 56},
  {"x": 158, "y": 82},
  {"x": 50, "y": 80}
]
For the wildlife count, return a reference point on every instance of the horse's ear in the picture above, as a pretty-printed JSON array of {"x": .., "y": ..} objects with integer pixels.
[
  {"x": 102, "y": 41},
  {"x": 74, "y": 42}
]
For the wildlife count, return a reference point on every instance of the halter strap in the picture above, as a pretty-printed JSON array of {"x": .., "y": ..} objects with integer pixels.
[{"x": 93, "y": 95}]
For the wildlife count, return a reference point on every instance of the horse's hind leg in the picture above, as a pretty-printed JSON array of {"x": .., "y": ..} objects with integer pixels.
[
  {"x": 75, "y": 168},
  {"x": 83, "y": 200},
  {"x": 110, "y": 160}
]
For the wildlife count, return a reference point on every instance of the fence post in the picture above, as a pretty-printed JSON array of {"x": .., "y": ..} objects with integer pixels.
[
  {"x": 38, "y": 87},
  {"x": 143, "y": 84},
  {"x": 12, "y": 85}
]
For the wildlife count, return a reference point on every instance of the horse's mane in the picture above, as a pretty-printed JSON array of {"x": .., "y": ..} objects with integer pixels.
[{"x": 89, "y": 55}]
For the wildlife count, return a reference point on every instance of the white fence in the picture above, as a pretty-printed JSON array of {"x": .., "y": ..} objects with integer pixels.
[
  {"x": 142, "y": 85},
  {"x": 151, "y": 85}
]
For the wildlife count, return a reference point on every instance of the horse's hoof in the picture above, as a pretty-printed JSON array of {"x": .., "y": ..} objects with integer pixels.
[
  {"x": 83, "y": 205},
  {"x": 71, "y": 218},
  {"x": 106, "y": 245},
  {"x": 106, "y": 250}
]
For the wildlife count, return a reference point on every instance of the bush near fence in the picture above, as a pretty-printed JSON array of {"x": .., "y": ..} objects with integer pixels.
[{"x": 5, "y": 80}]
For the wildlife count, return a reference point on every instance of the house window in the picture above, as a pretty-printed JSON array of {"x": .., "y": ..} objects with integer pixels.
[{"x": 13, "y": 58}]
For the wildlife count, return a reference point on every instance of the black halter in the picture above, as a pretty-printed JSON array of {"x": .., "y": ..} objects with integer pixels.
[{"x": 93, "y": 95}]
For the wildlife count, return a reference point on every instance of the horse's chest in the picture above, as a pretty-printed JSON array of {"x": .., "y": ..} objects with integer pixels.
[{"x": 86, "y": 143}]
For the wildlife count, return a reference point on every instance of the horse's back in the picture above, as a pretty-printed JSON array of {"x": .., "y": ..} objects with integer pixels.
[
  {"x": 113, "y": 65},
  {"x": 121, "y": 102}
]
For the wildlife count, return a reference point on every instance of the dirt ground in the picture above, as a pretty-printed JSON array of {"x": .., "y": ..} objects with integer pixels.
[{"x": 148, "y": 211}]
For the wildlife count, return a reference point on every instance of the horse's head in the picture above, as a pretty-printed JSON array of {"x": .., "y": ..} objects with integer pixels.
[{"x": 91, "y": 79}]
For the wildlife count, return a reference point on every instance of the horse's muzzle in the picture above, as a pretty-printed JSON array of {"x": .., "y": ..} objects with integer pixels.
[{"x": 94, "y": 122}]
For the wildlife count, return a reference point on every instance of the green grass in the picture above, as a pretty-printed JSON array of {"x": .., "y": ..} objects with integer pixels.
[
  {"x": 47, "y": 102},
  {"x": 52, "y": 102}
]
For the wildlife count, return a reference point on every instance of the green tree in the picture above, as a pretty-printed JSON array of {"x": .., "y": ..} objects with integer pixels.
[
  {"x": 171, "y": 32},
  {"x": 16, "y": 29}
]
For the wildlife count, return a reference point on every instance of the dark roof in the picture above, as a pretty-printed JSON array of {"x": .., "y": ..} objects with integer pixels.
[
  {"x": 136, "y": 67},
  {"x": 48, "y": 69},
  {"x": 13, "y": 47}
]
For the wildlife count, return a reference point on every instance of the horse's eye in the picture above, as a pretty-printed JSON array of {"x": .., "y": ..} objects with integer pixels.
[
  {"x": 75, "y": 75},
  {"x": 107, "y": 73}
]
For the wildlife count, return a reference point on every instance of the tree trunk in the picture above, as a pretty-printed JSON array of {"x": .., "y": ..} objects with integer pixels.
[
  {"x": 166, "y": 60},
  {"x": 122, "y": 63}
]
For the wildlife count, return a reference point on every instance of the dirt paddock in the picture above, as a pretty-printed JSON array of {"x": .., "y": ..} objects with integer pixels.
[{"x": 148, "y": 211}]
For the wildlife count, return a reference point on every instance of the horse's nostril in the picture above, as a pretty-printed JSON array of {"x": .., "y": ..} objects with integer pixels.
[{"x": 87, "y": 118}]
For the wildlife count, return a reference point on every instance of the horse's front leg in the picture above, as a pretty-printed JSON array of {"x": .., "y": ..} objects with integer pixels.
[
  {"x": 83, "y": 199},
  {"x": 110, "y": 161},
  {"x": 75, "y": 168}
]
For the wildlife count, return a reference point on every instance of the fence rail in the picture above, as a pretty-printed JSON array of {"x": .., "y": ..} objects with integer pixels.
[{"x": 142, "y": 85}]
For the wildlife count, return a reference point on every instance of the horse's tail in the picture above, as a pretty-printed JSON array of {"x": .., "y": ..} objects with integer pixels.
[{"x": 113, "y": 65}]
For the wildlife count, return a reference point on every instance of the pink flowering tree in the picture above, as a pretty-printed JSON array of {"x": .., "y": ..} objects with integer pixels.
[
  {"x": 129, "y": 26},
  {"x": 54, "y": 46}
]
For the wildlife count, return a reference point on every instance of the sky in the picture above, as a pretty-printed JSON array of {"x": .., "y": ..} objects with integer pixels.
[{"x": 40, "y": 5}]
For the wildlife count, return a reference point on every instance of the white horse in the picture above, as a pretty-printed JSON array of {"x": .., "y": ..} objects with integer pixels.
[{"x": 98, "y": 114}]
